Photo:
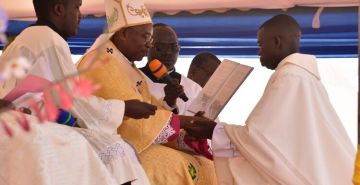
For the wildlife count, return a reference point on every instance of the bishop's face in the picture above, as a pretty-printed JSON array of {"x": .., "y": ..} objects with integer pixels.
[{"x": 137, "y": 41}]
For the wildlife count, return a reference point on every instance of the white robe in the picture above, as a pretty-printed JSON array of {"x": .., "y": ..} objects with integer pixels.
[
  {"x": 50, "y": 154},
  {"x": 293, "y": 136},
  {"x": 50, "y": 58},
  {"x": 191, "y": 89}
]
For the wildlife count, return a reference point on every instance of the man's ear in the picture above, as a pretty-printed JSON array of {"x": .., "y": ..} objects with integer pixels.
[
  {"x": 277, "y": 41},
  {"x": 58, "y": 9},
  {"x": 123, "y": 33},
  {"x": 119, "y": 35}
]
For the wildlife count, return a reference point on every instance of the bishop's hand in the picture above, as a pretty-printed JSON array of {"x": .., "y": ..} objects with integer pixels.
[
  {"x": 201, "y": 129},
  {"x": 138, "y": 110}
]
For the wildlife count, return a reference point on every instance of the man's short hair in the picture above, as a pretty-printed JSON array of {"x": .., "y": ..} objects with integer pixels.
[
  {"x": 160, "y": 24},
  {"x": 282, "y": 21},
  {"x": 200, "y": 60},
  {"x": 42, "y": 7}
]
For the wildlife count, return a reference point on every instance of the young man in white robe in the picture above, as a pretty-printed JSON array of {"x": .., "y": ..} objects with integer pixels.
[
  {"x": 166, "y": 49},
  {"x": 44, "y": 46},
  {"x": 293, "y": 135}
]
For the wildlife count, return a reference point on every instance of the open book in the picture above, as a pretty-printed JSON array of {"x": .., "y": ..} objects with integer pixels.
[{"x": 221, "y": 86}]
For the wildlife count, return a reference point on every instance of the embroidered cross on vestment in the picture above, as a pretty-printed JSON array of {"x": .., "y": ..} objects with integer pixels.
[
  {"x": 138, "y": 83},
  {"x": 109, "y": 50}
]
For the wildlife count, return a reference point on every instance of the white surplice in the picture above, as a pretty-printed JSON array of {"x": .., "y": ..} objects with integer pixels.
[
  {"x": 50, "y": 154},
  {"x": 293, "y": 136},
  {"x": 191, "y": 89},
  {"x": 50, "y": 58}
]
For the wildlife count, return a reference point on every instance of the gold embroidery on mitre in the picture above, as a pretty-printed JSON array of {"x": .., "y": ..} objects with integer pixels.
[
  {"x": 113, "y": 18},
  {"x": 142, "y": 11}
]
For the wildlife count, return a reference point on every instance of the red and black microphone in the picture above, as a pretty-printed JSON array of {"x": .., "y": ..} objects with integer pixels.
[{"x": 160, "y": 71}]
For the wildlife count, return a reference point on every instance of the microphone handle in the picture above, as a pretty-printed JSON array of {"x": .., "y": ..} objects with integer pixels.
[
  {"x": 169, "y": 80},
  {"x": 184, "y": 97}
]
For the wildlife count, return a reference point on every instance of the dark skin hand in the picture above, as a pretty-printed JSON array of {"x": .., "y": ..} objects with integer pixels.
[
  {"x": 24, "y": 110},
  {"x": 200, "y": 114},
  {"x": 201, "y": 129},
  {"x": 185, "y": 120},
  {"x": 189, "y": 120},
  {"x": 172, "y": 92},
  {"x": 197, "y": 127},
  {"x": 138, "y": 110},
  {"x": 6, "y": 104}
]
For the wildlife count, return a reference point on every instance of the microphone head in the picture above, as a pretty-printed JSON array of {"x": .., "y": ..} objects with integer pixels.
[{"x": 157, "y": 68}]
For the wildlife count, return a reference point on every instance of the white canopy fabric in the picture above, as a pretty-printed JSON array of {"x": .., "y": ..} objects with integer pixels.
[{"x": 23, "y": 9}]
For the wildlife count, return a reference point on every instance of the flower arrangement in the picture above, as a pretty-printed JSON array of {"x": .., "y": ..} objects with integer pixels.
[{"x": 55, "y": 97}]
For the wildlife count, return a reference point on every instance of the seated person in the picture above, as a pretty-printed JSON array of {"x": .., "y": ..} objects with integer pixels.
[
  {"x": 128, "y": 40},
  {"x": 293, "y": 135},
  {"x": 166, "y": 49},
  {"x": 44, "y": 46}
]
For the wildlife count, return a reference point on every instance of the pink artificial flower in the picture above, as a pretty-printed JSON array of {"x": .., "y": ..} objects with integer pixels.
[
  {"x": 22, "y": 121},
  {"x": 7, "y": 129},
  {"x": 84, "y": 87},
  {"x": 50, "y": 108},
  {"x": 65, "y": 98}
]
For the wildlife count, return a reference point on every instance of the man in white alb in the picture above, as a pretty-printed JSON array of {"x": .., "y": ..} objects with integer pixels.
[{"x": 293, "y": 135}]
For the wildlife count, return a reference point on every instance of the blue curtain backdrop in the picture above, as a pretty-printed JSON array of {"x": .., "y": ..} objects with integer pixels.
[{"x": 233, "y": 33}]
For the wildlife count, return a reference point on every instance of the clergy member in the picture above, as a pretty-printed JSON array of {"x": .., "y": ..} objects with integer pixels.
[
  {"x": 166, "y": 49},
  {"x": 129, "y": 38},
  {"x": 44, "y": 45},
  {"x": 293, "y": 135}
]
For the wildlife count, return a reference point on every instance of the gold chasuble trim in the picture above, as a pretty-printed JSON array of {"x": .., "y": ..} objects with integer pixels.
[{"x": 113, "y": 76}]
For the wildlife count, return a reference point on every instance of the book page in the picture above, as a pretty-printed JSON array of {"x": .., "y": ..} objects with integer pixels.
[{"x": 221, "y": 86}]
